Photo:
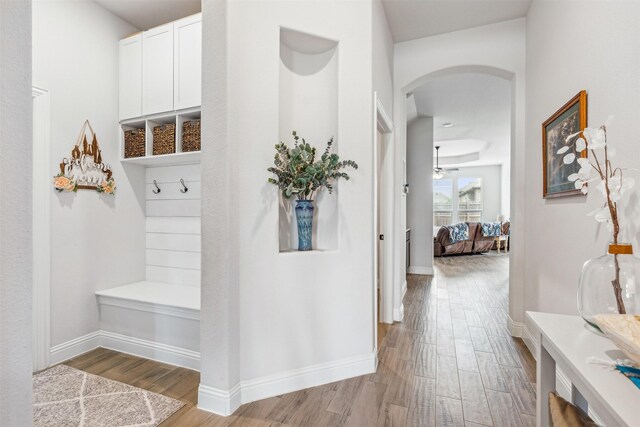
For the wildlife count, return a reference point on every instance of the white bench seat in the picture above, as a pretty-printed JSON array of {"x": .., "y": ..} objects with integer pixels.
[
  {"x": 159, "y": 321},
  {"x": 156, "y": 293}
]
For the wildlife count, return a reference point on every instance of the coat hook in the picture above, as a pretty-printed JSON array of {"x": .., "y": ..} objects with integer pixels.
[
  {"x": 157, "y": 188},
  {"x": 185, "y": 187}
]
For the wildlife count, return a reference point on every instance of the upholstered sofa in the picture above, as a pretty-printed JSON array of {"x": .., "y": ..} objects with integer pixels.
[{"x": 477, "y": 243}]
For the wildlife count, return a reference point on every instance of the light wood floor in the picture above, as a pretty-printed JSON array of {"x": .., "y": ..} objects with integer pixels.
[{"x": 450, "y": 363}]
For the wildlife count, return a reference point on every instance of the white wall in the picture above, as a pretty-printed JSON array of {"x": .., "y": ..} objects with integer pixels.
[
  {"x": 603, "y": 61},
  {"x": 97, "y": 241},
  {"x": 382, "y": 57},
  {"x": 420, "y": 198},
  {"x": 318, "y": 305},
  {"x": 296, "y": 310},
  {"x": 505, "y": 187},
  {"x": 15, "y": 211},
  {"x": 498, "y": 50},
  {"x": 219, "y": 315},
  {"x": 491, "y": 188}
]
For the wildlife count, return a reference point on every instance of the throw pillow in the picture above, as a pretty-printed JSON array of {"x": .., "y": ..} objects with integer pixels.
[
  {"x": 491, "y": 229},
  {"x": 458, "y": 232}
]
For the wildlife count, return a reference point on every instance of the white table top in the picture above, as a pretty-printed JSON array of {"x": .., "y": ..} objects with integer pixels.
[{"x": 570, "y": 337}]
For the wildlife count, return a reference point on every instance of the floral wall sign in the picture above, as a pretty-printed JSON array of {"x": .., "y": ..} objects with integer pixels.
[{"x": 85, "y": 169}]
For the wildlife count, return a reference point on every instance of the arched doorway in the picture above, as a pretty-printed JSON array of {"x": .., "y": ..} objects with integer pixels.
[{"x": 516, "y": 257}]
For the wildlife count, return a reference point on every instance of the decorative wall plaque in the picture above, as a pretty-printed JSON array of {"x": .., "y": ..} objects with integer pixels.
[{"x": 85, "y": 169}]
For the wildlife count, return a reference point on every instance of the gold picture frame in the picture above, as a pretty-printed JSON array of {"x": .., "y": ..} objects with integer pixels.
[{"x": 568, "y": 120}]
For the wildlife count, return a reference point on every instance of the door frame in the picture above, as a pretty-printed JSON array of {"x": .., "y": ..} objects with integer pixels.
[
  {"x": 41, "y": 230},
  {"x": 384, "y": 125}
]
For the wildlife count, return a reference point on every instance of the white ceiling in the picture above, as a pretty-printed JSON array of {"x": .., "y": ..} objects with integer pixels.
[
  {"x": 145, "y": 14},
  {"x": 479, "y": 107},
  {"x": 414, "y": 19}
]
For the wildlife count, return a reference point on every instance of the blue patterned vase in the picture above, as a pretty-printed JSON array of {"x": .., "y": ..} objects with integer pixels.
[{"x": 304, "y": 216}]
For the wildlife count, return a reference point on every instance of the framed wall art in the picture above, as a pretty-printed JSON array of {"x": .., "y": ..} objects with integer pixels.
[{"x": 571, "y": 119}]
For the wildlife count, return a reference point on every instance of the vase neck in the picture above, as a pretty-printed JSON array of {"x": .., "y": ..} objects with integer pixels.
[{"x": 620, "y": 249}]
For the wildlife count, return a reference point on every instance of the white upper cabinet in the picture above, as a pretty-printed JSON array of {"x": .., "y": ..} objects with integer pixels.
[
  {"x": 187, "y": 79},
  {"x": 161, "y": 69},
  {"x": 130, "y": 77},
  {"x": 157, "y": 70}
]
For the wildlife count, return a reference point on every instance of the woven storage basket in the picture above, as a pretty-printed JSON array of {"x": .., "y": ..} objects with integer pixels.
[
  {"x": 191, "y": 136},
  {"x": 164, "y": 139},
  {"x": 134, "y": 143}
]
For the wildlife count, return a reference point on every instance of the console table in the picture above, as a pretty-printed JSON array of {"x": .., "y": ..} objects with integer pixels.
[{"x": 566, "y": 342}]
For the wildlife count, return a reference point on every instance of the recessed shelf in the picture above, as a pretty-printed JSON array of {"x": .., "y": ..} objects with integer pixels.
[
  {"x": 308, "y": 104},
  {"x": 165, "y": 159}
]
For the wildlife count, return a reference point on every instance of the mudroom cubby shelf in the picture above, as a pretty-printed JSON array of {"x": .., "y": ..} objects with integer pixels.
[{"x": 148, "y": 124}]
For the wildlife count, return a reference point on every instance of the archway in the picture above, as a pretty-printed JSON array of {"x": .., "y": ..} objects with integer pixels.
[{"x": 516, "y": 256}]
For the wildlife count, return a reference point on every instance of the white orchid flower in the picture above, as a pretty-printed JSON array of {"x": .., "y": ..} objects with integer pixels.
[
  {"x": 585, "y": 169},
  {"x": 618, "y": 187},
  {"x": 569, "y": 158},
  {"x": 567, "y": 139},
  {"x": 581, "y": 144},
  {"x": 600, "y": 187},
  {"x": 563, "y": 149},
  {"x": 595, "y": 137},
  {"x": 601, "y": 214}
]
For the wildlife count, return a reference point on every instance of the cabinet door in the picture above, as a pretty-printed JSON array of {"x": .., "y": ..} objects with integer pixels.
[
  {"x": 157, "y": 70},
  {"x": 130, "y": 86},
  {"x": 187, "y": 62}
]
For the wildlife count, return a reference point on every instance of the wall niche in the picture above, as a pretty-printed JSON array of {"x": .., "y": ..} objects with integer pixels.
[{"x": 308, "y": 104}]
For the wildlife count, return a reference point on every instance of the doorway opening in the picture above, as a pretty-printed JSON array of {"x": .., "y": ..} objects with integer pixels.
[
  {"x": 383, "y": 222},
  {"x": 459, "y": 135}
]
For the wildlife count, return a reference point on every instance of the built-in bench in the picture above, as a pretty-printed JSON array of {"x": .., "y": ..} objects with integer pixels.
[{"x": 159, "y": 321}]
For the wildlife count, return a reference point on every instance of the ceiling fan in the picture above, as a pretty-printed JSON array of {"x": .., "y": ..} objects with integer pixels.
[{"x": 438, "y": 172}]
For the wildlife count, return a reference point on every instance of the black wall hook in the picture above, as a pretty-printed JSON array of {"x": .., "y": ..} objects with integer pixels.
[
  {"x": 185, "y": 187},
  {"x": 157, "y": 188}
]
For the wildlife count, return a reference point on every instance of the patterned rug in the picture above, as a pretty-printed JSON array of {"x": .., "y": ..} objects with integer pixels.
[{"x": 64, "y": 396}]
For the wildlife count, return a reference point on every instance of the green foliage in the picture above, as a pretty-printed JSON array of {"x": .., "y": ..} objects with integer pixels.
[{"x": 299, "y": 174}]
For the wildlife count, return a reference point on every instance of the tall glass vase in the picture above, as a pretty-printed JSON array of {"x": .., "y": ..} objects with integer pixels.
[
  {"x": 304, "y": 217},
  {"x": 610, "y": 284}
]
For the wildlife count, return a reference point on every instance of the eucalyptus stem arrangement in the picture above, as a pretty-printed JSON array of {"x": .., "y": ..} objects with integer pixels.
[
  {"x": 298, "y": 172},
  {"x": 611, "y": 182}
]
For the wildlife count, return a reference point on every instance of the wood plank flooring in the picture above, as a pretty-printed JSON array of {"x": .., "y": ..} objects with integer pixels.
[{"x": 451, "y": 362}]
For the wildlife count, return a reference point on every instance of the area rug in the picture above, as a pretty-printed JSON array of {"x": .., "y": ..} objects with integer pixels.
[{"x": 64, "y": 396}]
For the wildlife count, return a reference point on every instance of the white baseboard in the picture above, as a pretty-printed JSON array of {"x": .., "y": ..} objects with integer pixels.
[
  {"x": 529, "y": 340},
  {"x": 75, "y": 347},
  {"x": 135, "y": 346},
  {"x": 404, "y": 290},
  {"x": 398, "y": 313},
  {"x": 160, "y": 352},
  {"x": 310, "y": 376},
  {"x": 220, "y": 402},
  {"x": 515, "y": 328},
  {"x": 426, "y": 271}
]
